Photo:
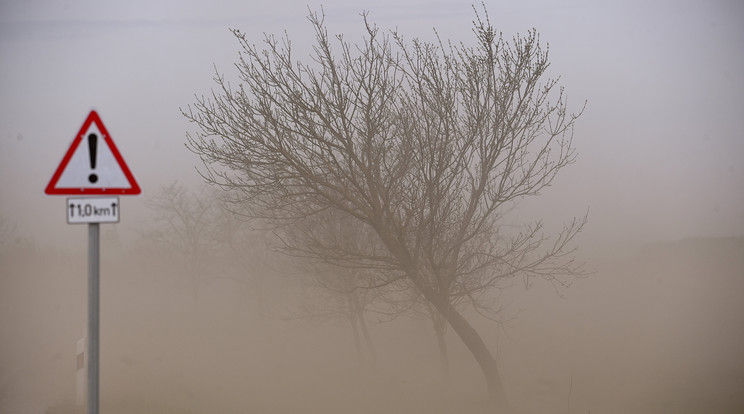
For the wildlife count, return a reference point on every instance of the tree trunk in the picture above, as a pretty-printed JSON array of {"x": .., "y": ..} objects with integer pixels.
[
  {"x": 355, "y": 328},
  {"x": 365, "y": 331},
  {"x": 439, "y": 324},
  {"x": 258, "y": 280},
  {"x": 475, "y": 344},
  {"x": 478, "y": 348},
  {"x": 459, "y": 324}
]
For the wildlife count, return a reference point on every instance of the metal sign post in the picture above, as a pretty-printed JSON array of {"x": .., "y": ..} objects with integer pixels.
[
  {"x": 94, "y": 328},
  {"x": 93, "y": 170}
]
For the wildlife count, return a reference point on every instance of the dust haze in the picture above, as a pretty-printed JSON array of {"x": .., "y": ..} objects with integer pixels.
[
  {"x": 658, "y": 330},
  {"x": 233, "y": 326}
]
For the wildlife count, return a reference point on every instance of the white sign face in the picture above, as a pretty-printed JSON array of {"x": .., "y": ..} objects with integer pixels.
[
  {"x": 93, "y": 210},
  {"x": 92, "y": 165}
]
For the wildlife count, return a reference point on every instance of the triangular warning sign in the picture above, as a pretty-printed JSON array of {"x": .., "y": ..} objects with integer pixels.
[{"x": 94, "y": 168}]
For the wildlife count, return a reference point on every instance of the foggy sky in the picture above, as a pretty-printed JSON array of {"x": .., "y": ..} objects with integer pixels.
[
  {"x": 661, "y": 157},
  {"x": 661, "y": 148}
]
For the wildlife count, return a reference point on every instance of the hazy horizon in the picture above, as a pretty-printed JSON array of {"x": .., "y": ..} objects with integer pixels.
[{"x": 660, "y": 172}]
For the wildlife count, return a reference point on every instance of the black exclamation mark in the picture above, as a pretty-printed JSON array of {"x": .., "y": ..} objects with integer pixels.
[{"x": 92, "y": 146}]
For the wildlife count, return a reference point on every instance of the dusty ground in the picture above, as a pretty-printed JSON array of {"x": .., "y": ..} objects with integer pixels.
[{"x": 659, "y": 331}]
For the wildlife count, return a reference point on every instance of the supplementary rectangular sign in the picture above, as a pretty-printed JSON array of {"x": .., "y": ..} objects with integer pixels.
[{"x": 93, "y": 210}]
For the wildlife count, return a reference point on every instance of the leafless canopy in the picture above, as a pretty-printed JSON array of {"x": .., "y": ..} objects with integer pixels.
[{"x": 426, "y": 143}]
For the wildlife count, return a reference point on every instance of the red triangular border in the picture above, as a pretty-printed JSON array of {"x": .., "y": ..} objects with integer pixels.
[{"x": 52, "y": 189}]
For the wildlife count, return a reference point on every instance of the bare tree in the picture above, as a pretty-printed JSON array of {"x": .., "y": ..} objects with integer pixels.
[
  {"x": 339, "y": 289},
  {"x": 427, "y": 144},
  {"x": 211, "y": 241},
  {"x": 186, "y": 222},
  {"x": 244, "y": 254},
  {"x": 334, "y": 293},
  {"x": 8, "y": 232}
]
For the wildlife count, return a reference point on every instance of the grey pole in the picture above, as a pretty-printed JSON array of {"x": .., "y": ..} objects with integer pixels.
[{"x": 93, "y": 319}]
